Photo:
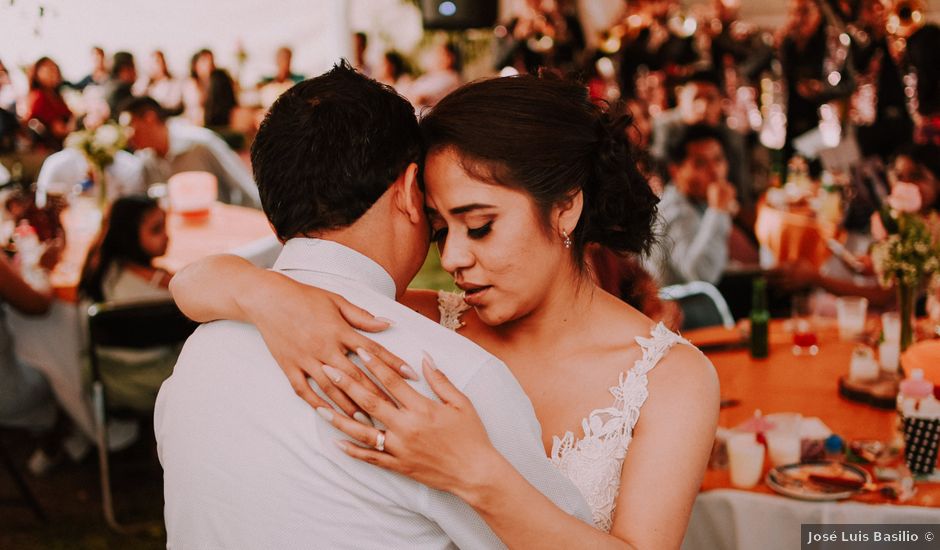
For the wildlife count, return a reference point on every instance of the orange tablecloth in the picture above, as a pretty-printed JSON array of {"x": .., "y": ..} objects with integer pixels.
[
  {"x": 793, "y": 234},
  {"x": 808, "y": 385},
  {"x": 224, "y": 229}
]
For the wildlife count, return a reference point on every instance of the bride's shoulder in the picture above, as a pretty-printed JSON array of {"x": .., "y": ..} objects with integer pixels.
[{"x": 685, "y": 373}]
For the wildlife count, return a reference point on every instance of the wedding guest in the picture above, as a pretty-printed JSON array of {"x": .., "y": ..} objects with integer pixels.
[
  {"x": 890, "y": 126},
  {"x": 67, "y": 168},
  {"x": 119, "y": 88},
  {"x": 806, "y": 53},
  {"x": 25, "y": 398},
  {"x": 161, "y": 85},
  {"x": 699, "y": 102},
  {"x": 46, "y": 112},
  {"x": 695, "y": 210},
  {"x": 99, "y": 70},
  {"x": 196, "y": 86},
  {"x": 441, "y": 78},
  {"x": 119, "y": 268},
  {"x": 360, "y": 48},
  {"x": 9, "y": 123},
  {"x": 395, "y": 72},
  {"x": 283, "y": 74},
  {"x": 918, "y": 165},
  {"x": 170, "y": 147},
  {"x": 220, "y": 100}
]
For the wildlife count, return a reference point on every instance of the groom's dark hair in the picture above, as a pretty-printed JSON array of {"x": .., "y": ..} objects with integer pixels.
[{"x": 329, "y": 148}]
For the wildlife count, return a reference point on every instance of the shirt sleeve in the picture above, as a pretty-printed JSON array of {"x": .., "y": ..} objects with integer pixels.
[
  {"x": 233, "y": 175},
  {"x": 700, "y": 248},
  {"x": 514, "y": 431}
]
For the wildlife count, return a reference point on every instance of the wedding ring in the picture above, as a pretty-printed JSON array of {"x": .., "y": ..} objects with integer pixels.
[{"x": 380, "y": 441}]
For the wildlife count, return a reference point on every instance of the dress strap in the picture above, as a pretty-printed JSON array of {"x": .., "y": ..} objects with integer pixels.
[{"x": 655, "y": 347}]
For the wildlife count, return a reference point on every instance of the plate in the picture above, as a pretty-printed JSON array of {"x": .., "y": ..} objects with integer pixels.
[{"x": 793, "y": 480}]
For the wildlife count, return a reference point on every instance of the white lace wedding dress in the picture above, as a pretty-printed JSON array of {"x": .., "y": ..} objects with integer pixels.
[{"x": 593, "y": 462}]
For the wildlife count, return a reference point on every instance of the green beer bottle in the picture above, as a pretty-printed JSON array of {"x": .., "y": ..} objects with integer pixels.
[{"x": 760, "y": 319}]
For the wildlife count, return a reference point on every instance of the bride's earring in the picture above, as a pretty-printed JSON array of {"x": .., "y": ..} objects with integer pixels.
[{"x": 567, "y": 238}]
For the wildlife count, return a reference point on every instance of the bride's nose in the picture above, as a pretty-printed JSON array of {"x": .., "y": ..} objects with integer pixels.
[{"x": 455, "y": 254}]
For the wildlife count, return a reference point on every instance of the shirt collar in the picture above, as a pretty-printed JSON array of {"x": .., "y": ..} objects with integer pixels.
[{"x": 332, "y": 258}]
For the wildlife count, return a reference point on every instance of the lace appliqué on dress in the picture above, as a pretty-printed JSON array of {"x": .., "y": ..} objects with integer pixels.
[
  {"x": 451, "y": 306},
  {"x": 593, "y": 463}
]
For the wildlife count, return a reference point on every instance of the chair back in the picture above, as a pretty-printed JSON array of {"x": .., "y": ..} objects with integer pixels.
[
  {"x": 701, "y": 303},
  {"x": 137, "y": 325}
]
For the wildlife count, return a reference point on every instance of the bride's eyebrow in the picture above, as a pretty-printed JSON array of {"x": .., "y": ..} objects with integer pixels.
[{"x": 468, "y": 208}]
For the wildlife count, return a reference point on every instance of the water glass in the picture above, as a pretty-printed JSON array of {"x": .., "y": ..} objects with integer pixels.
[
  {"x": 805, "y": 341},
  {"x": 851, "y": 312},
  {"x": 746, "y": 460}
]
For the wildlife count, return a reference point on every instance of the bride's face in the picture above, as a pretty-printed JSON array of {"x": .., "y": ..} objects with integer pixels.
[{"x": 491, "y": 240}]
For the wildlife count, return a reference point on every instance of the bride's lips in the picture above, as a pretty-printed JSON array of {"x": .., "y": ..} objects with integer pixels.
[{"x": 473, "y": 294}]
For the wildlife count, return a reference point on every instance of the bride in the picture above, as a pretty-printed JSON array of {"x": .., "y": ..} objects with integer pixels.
[{"x": 522, "y": 174}]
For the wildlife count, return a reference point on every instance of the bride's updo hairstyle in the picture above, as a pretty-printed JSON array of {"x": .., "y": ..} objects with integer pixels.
[{"x": 544, "y": 136}]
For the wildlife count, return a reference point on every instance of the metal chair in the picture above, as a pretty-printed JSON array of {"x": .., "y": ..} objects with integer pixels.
[
  {"x": 701, "y": 303},
  {"x": 138, "y": 325}
]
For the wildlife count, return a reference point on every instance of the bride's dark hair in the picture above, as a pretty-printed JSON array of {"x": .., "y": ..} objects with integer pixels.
[{"x": 544, "y": 136}]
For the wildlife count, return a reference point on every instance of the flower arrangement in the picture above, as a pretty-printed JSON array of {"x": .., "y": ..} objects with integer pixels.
[
  {"x": 908, "y": 250},
  {"x": 99, "y": 146}
]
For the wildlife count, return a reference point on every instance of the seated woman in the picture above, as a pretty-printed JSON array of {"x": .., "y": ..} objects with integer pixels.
[
  {"x": 46, "y": 111},
  {"x": 26, "y": 400},
  {"x": 119, "y": 268}
]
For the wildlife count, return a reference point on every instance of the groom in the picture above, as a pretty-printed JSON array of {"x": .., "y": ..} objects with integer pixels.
[{"x": 248, "y": 464}]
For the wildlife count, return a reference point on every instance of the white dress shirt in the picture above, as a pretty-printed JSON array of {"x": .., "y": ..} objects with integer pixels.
[
  {"x": 248, "y": 464},
  {"x": 694, "y": 245},
  {"x": 64, "y": 169}
]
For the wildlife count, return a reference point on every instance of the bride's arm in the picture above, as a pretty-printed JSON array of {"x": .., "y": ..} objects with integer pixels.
[
  {"x": 278, "y": 305},
  {"x": 445, "y": 446},
  {"x": 662, "y": 472}
]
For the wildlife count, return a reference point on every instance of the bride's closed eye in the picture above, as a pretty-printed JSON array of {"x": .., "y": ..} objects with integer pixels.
[
  {"x": 480, "y": 232},
  {"x": 439, "y": 235}
]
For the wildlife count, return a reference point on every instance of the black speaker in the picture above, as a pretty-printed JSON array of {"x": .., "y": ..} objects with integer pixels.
[{"x": 459, "y": 14}]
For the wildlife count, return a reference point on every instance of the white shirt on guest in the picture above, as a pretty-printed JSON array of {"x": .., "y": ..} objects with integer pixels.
[
  {"x": 64, "y": 169},
  {"x": 248, "y": 464}
]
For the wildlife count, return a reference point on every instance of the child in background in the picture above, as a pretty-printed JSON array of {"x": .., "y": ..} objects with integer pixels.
[{"x": 119, "y": 268}]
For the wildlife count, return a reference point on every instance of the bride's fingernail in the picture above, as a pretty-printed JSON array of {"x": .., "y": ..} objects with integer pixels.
[
  {"x": 340, "y": 443},
  {"x": 333, "y": 374},
  {"x": 325, "y": 413},
  {"x": 364, "y": 355},
  {"x": 429, "y": 361},
  {"x": 408, "y": 372},
  {"x": 361, "y": 418},
  {"x": 385, "y": 320}
]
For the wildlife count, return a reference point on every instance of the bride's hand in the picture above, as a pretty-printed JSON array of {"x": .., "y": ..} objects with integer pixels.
[
  {"x": 306, "y": 328},
  {"x": 442, "y": 445}
]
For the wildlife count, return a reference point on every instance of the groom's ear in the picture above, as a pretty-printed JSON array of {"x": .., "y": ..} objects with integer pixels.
[{"x": 409, "y": 198}]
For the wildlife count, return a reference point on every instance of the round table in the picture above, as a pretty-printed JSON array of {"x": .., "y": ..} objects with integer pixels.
[
  {"x": 725, "y": 517},
  {"x": 224, "y": 229}
]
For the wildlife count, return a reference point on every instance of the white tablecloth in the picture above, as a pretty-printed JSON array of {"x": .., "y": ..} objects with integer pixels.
[
  {"x": 727, "y": 519},
  {"x": 52, "y": 344}
]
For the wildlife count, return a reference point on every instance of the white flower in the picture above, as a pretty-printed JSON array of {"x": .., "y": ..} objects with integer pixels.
[{"x": 107, "y": 136}]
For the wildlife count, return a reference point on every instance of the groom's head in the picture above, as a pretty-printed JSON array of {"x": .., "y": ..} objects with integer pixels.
[{"x": 337, "y": 154}]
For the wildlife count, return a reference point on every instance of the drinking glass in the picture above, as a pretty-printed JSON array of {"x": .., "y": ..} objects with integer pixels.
[
  {"x": 850, "y": 312},
  {"x": 805, "y": 341}
]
